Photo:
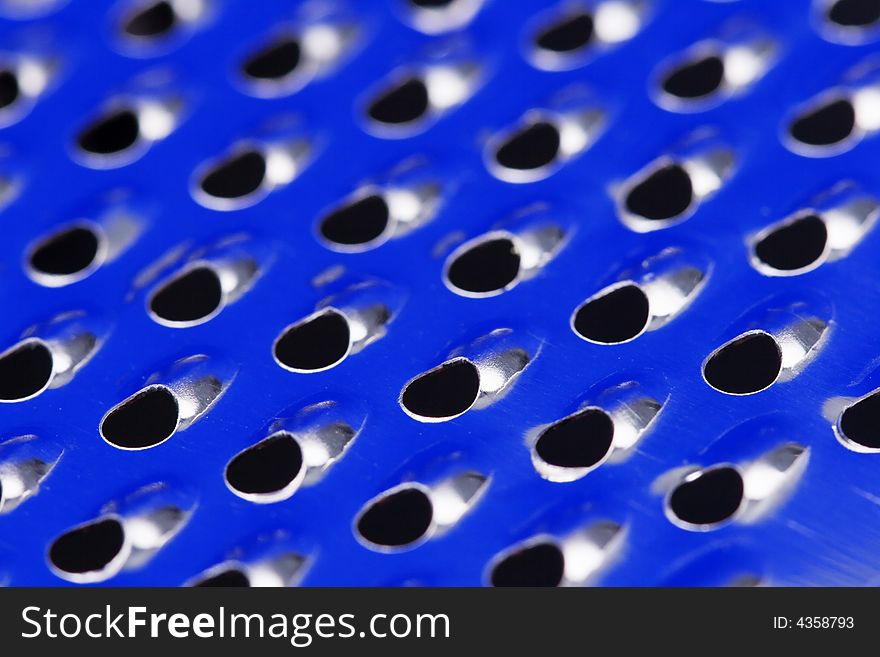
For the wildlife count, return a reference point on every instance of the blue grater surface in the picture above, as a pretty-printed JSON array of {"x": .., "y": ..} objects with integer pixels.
[{"x": 813, "y": 520}]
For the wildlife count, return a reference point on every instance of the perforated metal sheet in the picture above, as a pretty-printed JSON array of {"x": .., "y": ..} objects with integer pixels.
[{"x": 825, "y": 530}]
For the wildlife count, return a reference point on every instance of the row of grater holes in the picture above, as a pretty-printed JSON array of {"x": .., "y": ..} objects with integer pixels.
[
  {"x": 408, "y": 102},
  {"x": 666, "y": 193},
  {"x": 746, "y": 365},
  {"x": 749, "y": 364},
  {"x": 399, "y": 520},
  {"x": 572, "y": 32},
  {"x": 404, "y": 517},
  {"x": 563, "y": 445},
  {"x": 663, "y": 195},
  {"x": 489, "y": 266}
]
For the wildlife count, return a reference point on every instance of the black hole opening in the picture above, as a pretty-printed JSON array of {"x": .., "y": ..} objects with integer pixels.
[
  {"x": 432, "y": 4},
  {"x": 8, "y": 88},
  {"x": 236, "y": 177},
  {"x": 24, "y": 371},
  {"x": 537, "y": 565},
  {"x": 580, "y": 441},
  {"x": 860, "y": 423},
  {"x": 267, "y": 467},
  {"x": 143, "y": 420},
  {"x": 110, "y": 134},
  {"x": 664, "y": 194},
  {"x": 89, "y": 548},
  {"x": 616, "y": 316},
  {"x": 188, "y": 298},
  {"x": 153, "y": 20},
  {"x": 227, "y": 578},
  {"x": 571, "y": 33},
  {"x": 404, "y": 103},
  {"x": 66, "y": 253},
  {"x": 695, "y": 79},
  {"x": 397, "y": 519},
  {"x": 825, "y": 125},
  {"x": 358, "y": 222},
  {"x": 531, "y": 148},
  {"x": 277, "y": 61},
  {"x": 855, "y": 13},
  {"x": 795, "y": 245},
  {"x": 745, "y": 365},
  {"x": 489, "y": 266},
  {"x": 444, "y": 392},
  {"x": 712, "y": 497},
  {"x": 315, "y": 344}
]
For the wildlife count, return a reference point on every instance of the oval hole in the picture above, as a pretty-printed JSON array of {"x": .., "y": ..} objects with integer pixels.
[
  {"x": 314, "y": 344},
  {"x": 153, "y": 20},
  {"x": 708, "y": 497},
  {"x": 88, "y": 549},
  {"x": 580, "y": 441},
  {"x": 66, "y": 253},
  {"x": 405, "y": 103},
  {"x": 860, "y": 423},
  {"x": 356, "y": 223},
  {"x": 275, "y": 62},
  {"x": 666, "y": 193},
  {"x": 235, "y": 177},
  {"x": 9, "y": 89},
  {"x": 542, "y": 564},
  {"x": 25, "y": 371},
  {"x": 231, "y": 577},
  {"x": 854, "y": 13},
  {"x": 490, "y": 266},
  {"x": 533, "y": 147},
  {"x": 442, "y": 393},
  {"x": 695, "y": 79},
  {"x": 745, "y": 365},
  {"x": 190, "y": 297},
  {"x": 825, "y": 125},
  {"x": 432, "y": 4},
  {"x": 396, "y": 520},
  {"x": 795, "y": 245},
  {"x": 144, "y": 420},
  {"x": 613, "y": 317},
  {"x": 567, "y": 35},
  {"x": 268, "y": 471},
  {"x": 110, "y": 134}
]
